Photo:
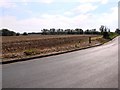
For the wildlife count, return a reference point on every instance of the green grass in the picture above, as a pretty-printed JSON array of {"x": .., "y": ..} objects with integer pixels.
[
  {"x": 113, "y": 35},
  {"x": 29, "y": 52}
]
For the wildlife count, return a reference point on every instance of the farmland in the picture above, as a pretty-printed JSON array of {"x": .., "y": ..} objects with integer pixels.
[{"x": 22, "y": 46}]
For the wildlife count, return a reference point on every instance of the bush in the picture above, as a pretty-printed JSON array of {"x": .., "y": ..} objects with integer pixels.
[
  {"x": 25, "y": 33},
  {"x": 113, "y": 35},
  {"x": 106, "y": 35},
  {"x": 29, "y": 52},
  {"x": 17, "y": 34},
  {"x": 6, "y": 32}
]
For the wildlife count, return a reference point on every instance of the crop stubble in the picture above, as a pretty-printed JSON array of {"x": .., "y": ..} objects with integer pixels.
[{"x": 15, "y": 46}]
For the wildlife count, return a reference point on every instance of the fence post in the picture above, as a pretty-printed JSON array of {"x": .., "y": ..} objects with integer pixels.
[{"x": 89, "y": 40}]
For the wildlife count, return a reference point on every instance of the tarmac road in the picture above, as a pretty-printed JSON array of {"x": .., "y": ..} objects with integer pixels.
[{"x": 90, "y": 68}]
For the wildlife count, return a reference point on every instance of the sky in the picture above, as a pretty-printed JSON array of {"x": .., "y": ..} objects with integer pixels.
[{"x": 35, "y": 15}]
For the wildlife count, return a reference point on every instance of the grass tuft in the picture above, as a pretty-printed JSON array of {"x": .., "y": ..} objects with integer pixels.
[{"x": 29, "y": 52}]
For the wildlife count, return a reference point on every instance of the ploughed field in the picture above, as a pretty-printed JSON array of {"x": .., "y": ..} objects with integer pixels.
[{"x": 22, "y": 46}]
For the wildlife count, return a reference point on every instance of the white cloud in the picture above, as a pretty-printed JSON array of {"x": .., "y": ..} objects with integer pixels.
[
  {"x": 7, "y": 4},
  {"x": 47, "y": 1},
  {"x": 85, "y": 1},
  {"x": 81, "y": 9},
  {"x": 67, "y": 1},
  {"x": 110, "y": 18},
  {"x": 92, "y": 1},
  {"x": 38, "y": 1},
  {"x": 84, "y": 20},
  {"x": 9, "y": 22},
  {"x": 68, "y": 13},
  {"x": 104, "y": 1},
  {"x": 84, "y": 8},
  {"x": 12, "y": 3}
]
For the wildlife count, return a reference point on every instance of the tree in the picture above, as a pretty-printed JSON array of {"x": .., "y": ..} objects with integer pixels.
[
  {"x": 6, "y": 32},
  {"x": 68, "y": 31},
  {"x": 87, "y": 31},
  {"x": 102, "y": 29},
  {"x": 117, "y": 31},
  {"x": 79, "y": 31},
  {"x": 25, "y": 33},
  {"x": 52, "y": 31},
  {"x": 93, "y": 31},
  {"x": 109, "y": 30},
  {"x": 17, "y": 34},
  {"x": 106, "y": 35},
  {"x": 104, "y": 32},
  {"x": 45, "y": 31},
  {"x": 60, "y": 31}
]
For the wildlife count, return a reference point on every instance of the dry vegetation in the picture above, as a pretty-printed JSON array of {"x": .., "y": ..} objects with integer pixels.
[{"x": 21, "y": 46}]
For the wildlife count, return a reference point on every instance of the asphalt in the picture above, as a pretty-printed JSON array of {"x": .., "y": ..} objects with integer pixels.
[{"x": 95, "y": 67}]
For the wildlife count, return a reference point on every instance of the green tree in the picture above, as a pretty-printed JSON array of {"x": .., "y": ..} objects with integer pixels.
[
  {"x": 79, "y": 31},
  {"x": 104, "y": 31},
  {"x": 25, "y": 33},
  {"x": 45, "y": 31},
  {"x": 87, "y": 31},
  {"x": 117, "y": 31},
  {"x": 6, "y": 32},
  {"x": 52, "y": 31},
  {"x": 17, "y": 34}
]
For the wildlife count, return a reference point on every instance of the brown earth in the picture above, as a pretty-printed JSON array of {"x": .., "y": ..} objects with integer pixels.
[{"x": 21, "y": 46}]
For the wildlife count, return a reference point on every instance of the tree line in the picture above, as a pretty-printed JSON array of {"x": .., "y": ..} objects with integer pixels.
[
  {"x": 103, "y": 30},
  {"x": 54, "y": 31},
  {"x": 6, "y": 32}
]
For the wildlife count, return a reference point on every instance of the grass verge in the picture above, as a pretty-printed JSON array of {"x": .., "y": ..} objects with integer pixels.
[{"x": 112, "y": 35}]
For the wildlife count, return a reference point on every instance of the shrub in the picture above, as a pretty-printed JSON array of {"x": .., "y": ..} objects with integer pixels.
[
  {"x": 6, "y": 32},
  {"x": 17, "y": 34},
  {"x": 25, "y": 33},
  {"x": 29, "y": 52},
  {"x": 106, "y": 35}
]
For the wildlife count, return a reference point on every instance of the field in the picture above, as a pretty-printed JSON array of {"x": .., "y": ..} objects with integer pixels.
[{"x": 22, "y": 46}]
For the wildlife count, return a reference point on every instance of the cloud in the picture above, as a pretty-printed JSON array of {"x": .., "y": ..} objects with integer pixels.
[
  {"x": 85, "y": 8},
  {"x": 81, "y": 9},
  {"x": 84, "y": 1},
  {"x": 68, "y": 13},
  {"x": 7, "y": 4},
  {"x": 93, "y": 1},
  {"x": 110, "y": 18},
  {"x": 38, "y": 1},
  {"x": 78, "y": 17},
  {"x": 84, "y": 21},
  {"x": 9, "y": 22},
  {"x": 12, "y": 3},
  {"x": 46, "y": 1},
  {"x": 51, "y": 1},
  {"x": 104, "y": 1}
]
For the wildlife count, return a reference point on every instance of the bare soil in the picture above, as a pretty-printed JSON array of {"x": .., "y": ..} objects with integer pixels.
[{"x": 22, "y": 46}]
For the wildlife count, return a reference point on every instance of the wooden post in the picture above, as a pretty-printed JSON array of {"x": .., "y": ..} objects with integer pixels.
[{"x": 89, "y": 40}]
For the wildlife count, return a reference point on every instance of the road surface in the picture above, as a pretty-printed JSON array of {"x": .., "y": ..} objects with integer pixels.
[{"x": 90, "y": 68}]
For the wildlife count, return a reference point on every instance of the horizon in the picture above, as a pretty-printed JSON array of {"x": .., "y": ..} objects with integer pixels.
[
  {"x": 30, "y": 16},
  {"x": 40, "y": 31}
]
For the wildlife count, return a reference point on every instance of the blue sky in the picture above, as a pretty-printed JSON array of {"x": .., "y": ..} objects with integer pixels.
[{"x": 34, "y": 15}]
